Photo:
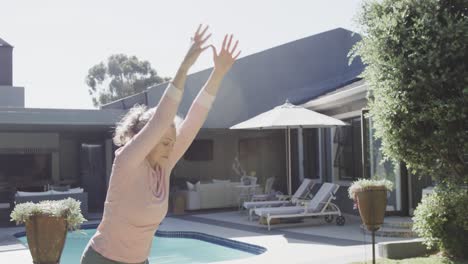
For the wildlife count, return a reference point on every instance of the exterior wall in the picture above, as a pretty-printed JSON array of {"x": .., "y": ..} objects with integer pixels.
[
  {"x": 224, "y": 151},
  {"x": 29, "y": 140},
  {"x": 226, "y": 148},
  {"x": 6, "y": 64},
  {"x": 11, "y": 96}
]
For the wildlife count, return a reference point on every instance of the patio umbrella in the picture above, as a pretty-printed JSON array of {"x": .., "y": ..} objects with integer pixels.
[{"x": 289, "y": 116}]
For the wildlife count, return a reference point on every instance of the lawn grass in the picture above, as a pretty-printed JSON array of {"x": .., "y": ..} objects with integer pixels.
[{"x": 421, "y": 260}]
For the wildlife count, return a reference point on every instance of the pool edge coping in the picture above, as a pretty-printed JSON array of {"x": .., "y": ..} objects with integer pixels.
[{"x": 226, "y": 242}]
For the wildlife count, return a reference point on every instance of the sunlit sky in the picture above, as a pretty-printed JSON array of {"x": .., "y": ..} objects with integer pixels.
[{"x": 56, "y": 41}]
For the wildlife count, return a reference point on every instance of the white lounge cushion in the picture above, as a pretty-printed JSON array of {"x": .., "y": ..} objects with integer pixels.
[
  {"x": 72, "y": 190},
  {"x": 76, "y": 190},
  {"x": 19, "y": 193},
  {"x": 249, "y": 205},
  {"x": 286, "y": 210},
  {"x": 321, "y": 197},
  {"x": 221, "y": 181},
  {"x": 302, "y": 190}
]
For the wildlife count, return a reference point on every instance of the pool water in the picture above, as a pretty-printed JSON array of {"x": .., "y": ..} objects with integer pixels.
[{"x": 167, "y": 250}]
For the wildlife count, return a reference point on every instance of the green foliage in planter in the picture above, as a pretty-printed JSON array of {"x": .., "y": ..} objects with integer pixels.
[
  {"x": 362, "y": 184},
  {"x": 68, "y": 208},
  {"x": 416, "y": 54},
  {"x": 441, "y": 220}
]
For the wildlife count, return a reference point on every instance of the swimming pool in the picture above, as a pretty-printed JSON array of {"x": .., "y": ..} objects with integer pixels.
[{"x": 168, "y": 247}]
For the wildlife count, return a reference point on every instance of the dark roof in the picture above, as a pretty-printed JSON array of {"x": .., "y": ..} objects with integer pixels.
[
  {"x": 298, "y": 71},
  {"x": 3, "y": 43}
]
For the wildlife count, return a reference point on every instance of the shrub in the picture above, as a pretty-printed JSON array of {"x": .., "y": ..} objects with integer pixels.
[{"x": 441, "y": 220}]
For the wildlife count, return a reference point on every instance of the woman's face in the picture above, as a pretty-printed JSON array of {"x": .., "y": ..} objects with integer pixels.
[{"x": 163, "y": 149}]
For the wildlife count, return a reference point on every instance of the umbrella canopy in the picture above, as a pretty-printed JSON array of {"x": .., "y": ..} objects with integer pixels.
[{"x": 289, "y": 116}]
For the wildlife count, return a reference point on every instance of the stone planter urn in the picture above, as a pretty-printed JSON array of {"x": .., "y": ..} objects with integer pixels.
[
  {"x": 370, "y": 196},
  {"x": 46, "y": 238},
  {"x": 372, "y": 202},
  {"x": 47, "y": 224}
]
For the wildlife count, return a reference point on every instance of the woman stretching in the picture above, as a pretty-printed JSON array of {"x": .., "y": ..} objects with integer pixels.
[{"x": 150, "y": 146}]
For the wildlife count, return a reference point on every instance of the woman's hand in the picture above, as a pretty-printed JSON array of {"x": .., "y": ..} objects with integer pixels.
[
  {"x": 196, "y": 48},
  {"x": 224, "y": 60}
]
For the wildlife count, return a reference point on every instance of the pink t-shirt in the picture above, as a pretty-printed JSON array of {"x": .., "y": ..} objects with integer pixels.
[{"x": 137, "y": 198}]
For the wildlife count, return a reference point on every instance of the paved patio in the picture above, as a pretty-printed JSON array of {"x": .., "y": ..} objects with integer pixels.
[{"x": 313, "y": 241}]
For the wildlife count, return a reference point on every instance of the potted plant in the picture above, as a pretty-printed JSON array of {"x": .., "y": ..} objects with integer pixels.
[
  {"x": 370, "y": 197},
  {"x": 47, "y": 223}
]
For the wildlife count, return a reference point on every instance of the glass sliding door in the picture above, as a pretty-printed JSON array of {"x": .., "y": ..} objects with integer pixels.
[
  {"x": 376, "y": 166},
  {"x": 311, "y": 153}
]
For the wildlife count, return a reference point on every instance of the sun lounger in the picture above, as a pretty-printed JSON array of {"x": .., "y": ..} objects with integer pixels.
[
  {"x": 301, "y": 193},
  {"x": 319, "y": 205}
]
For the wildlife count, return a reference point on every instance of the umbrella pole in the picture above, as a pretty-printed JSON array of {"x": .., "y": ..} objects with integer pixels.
[{"x": 289, "y": 162}]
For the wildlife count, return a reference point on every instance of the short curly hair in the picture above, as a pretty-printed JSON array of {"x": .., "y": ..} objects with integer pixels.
[{"x": 133, "y": 121}]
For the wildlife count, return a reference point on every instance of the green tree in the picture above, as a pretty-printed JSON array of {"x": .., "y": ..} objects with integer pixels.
[
  {"x": 417, "y": 70},
  {"x": 120, "y": 76}
]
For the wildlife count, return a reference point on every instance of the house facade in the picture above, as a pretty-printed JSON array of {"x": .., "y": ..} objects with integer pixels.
[{"x": 74, "y": 147}]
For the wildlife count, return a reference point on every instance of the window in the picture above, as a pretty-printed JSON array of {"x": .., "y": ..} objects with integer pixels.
[
  {"x": 25, "y": 170},
  {"x": 348, "y": 154},
  {"x": 200, "y": 150}
]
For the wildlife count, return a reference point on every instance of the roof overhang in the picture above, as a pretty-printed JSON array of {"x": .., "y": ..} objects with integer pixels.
[
  {"x": 338, "y": 98},
  {"x": 63, "y": 118}
]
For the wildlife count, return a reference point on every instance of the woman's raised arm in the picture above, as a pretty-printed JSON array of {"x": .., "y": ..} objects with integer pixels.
[
  {"x": 198, "y": 112},
  {"x": 140, "y": 145}
]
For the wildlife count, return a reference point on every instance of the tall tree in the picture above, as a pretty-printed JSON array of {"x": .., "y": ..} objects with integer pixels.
[
  {"x": 120, "y": 76},
  {"x": 417, "y": 70}
]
